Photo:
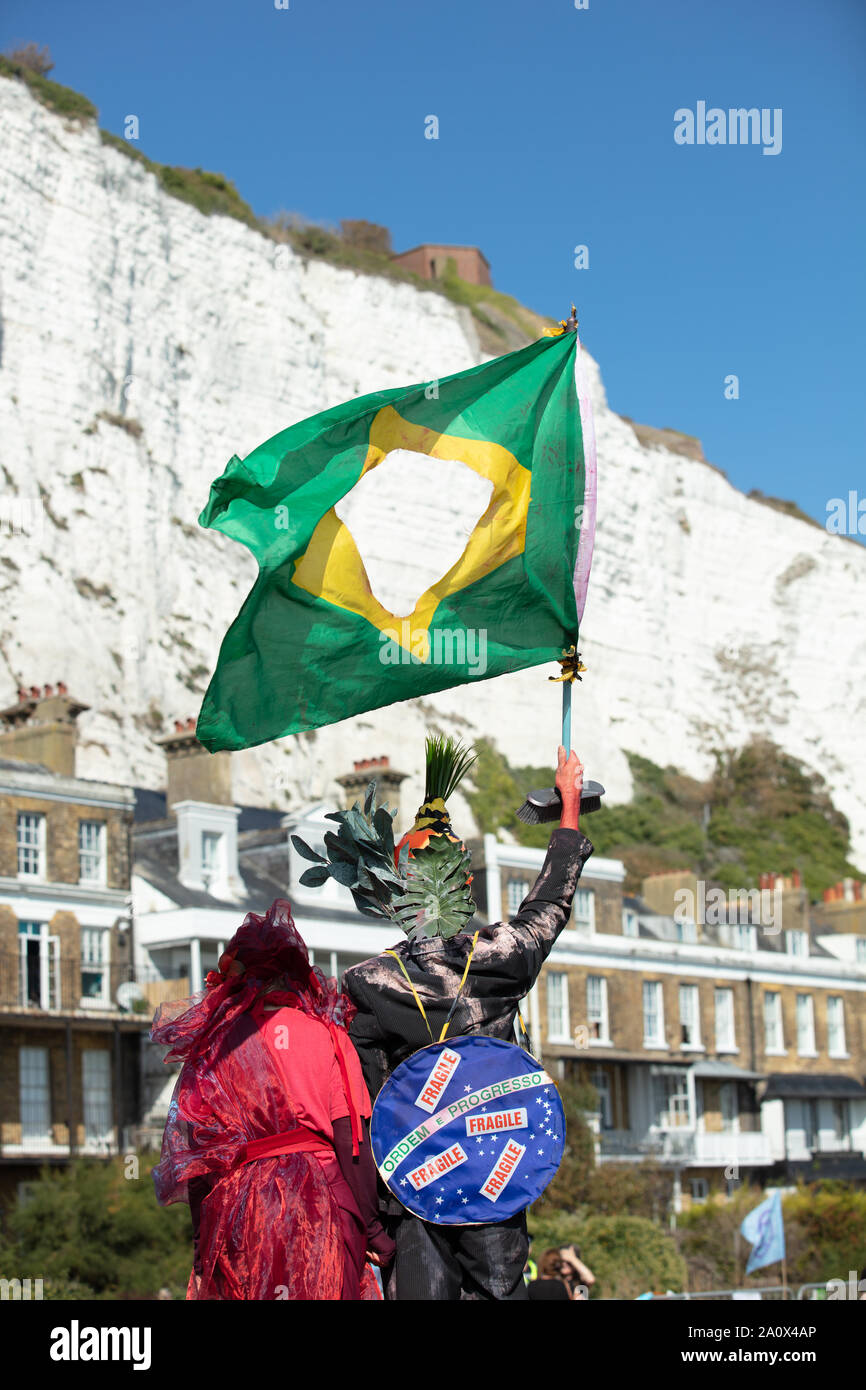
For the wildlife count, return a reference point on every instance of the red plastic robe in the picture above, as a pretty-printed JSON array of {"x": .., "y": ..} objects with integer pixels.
[{"x": 270, "y": 1228}]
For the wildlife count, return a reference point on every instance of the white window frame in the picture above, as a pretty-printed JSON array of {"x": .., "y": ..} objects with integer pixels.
[
  {"x": 49, "y": 966},
  {"x": 672, "y": 1088},
  {"x": 692, "y": 993},
  {"x": 840, "y": 1108},
  {"x": 805, "y": 1025},
  {"x": 584, "y": 910},
  {"x": 97, "y": 1111},
  {"x": 653, "y": 991},
  {"x": 96, "y": 960},
  {"x": 838, "y": 1027},
  {"x": 88, "y": 853},
  {"x": 597, "y": 1012},
  {"x": 558, "y": 1015},
  {"x": 516, "y": 890},
  {"x": 29, "y": 844},
  {"x": 700, "y": 1189},
  {"x": 745, "y": 937},
  {"x": 601, "y": 1081},
  {"x": 860, "y": 950},
  {"x": 796, "y": 942},
  {"x": 773, "y": 1020},
  {"x": 34, "y": 1091},
  {"x": 213, "y": 866},
  {"x": 725, "y": 1020},
  {"x": 729, "y": 1107},
  {"x": 630, "y": 923}
]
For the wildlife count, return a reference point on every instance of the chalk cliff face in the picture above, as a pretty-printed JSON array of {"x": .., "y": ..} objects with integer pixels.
[{"x": 142, "y": 344}]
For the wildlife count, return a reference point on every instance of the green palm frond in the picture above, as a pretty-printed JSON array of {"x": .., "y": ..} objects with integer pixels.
[
  {"x": 437, "y": 899},
  {"x": 426, "y": 893},
  {"x": 448, "y": 761},
  {"x": 360, "y": 856}
]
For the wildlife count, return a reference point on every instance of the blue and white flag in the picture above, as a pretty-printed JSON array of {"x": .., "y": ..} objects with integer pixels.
[
  {"x": 765, "y": 1229},
  {"x": 468, "y": 1131}
]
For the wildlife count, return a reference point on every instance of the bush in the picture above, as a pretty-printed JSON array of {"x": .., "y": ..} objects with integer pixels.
[
  {"x": 33, "y": 58},
  {"x": 366, "y": 236},
  {"x": 62, "y": 100},
  {"x": 89, "y": 1232},
  {"x": 825, "y": 1236}
]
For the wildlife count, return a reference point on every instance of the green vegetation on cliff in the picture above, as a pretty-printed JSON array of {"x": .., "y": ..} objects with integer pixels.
[
  {"x": 502, "y": 325},
  {"x": 761, "y": 811}
]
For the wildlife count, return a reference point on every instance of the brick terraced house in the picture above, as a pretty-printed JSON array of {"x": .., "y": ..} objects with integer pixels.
[
  {"x": 726, "y": 1049},
  {"x": 71, "y": 1019}
]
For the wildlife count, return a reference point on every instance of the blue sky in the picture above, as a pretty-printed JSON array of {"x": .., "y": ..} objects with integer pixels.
[{"x": 556, "y": 129}]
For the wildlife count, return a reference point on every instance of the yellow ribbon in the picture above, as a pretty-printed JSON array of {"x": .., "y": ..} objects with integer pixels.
[
  {"x": 457, "y": 996},
  {"x": 571, "y": 666}
]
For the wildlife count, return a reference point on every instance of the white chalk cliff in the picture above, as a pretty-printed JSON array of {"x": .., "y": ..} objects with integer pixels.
[{"x": 710, "y": 617}]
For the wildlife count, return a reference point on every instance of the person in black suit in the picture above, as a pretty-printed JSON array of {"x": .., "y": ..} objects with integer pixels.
[{"x": 485, "y": 1261}]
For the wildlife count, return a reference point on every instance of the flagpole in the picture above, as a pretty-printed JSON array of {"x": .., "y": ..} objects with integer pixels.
[
  {"x": 546, "y": 805},
  {"x": 570, "y": 326}
]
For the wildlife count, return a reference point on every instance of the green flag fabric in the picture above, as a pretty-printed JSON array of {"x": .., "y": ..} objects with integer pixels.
[{"x": 315, "y": 642}]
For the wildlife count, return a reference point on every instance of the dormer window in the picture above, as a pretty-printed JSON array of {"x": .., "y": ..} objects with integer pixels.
[
  {"x": 584, "y": 910},
  {"x": 211, "y": 857},
  {"x": 208, "y": 848},
  {"x": 630, "y": 925}
]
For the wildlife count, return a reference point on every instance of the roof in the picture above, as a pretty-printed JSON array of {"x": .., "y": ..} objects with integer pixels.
[
  {"x": 19, "y": 765},
  {"x": 712, "y": 1070},
  {"x": 831, "y": 1086},
  {"x": 150, "y": 805}
]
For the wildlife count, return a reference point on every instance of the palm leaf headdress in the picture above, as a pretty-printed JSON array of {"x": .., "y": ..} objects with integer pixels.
[{"x": 422, "y": 884}]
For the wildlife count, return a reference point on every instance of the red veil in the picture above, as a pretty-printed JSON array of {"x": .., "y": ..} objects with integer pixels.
[{"x": 269, "y": 1229}]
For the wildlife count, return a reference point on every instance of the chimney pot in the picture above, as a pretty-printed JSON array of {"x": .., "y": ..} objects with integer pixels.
[
  {"x": 22, "y": 694},
  {"x": 190, "y": 723},
  {"x": 61, "y": 688},
  {"x": 35, "y": 692},
  {"x": 49, "y": 690}
]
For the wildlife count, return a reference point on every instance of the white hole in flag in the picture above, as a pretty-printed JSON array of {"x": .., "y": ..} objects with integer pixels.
[{"x": 411, "y": 518}]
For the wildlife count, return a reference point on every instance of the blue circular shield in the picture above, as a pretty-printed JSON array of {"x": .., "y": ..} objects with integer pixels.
[{"x": 468, "y": 1131}]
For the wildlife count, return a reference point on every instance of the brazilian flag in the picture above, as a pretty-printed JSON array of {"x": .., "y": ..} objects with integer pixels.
[{"x": 316, "y": 641}]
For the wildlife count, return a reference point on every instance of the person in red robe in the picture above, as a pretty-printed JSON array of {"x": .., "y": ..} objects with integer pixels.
[{"x": 266, "y": 1136}]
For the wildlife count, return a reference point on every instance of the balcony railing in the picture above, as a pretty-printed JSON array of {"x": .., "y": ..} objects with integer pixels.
[
  {"x": 46, "y": 984},
  {"x": 686, "y": 1146},
  {"x": 35, "y": 1135}
]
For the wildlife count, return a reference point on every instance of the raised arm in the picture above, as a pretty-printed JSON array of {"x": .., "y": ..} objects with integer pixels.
[{"x": 546, "y": 909}]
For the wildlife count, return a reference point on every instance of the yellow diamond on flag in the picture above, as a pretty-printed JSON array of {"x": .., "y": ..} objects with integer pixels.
[{"x": 332, "y": 567}]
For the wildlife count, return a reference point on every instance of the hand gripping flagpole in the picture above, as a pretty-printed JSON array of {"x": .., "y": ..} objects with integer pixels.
[{"x": 546, "y": 805}]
